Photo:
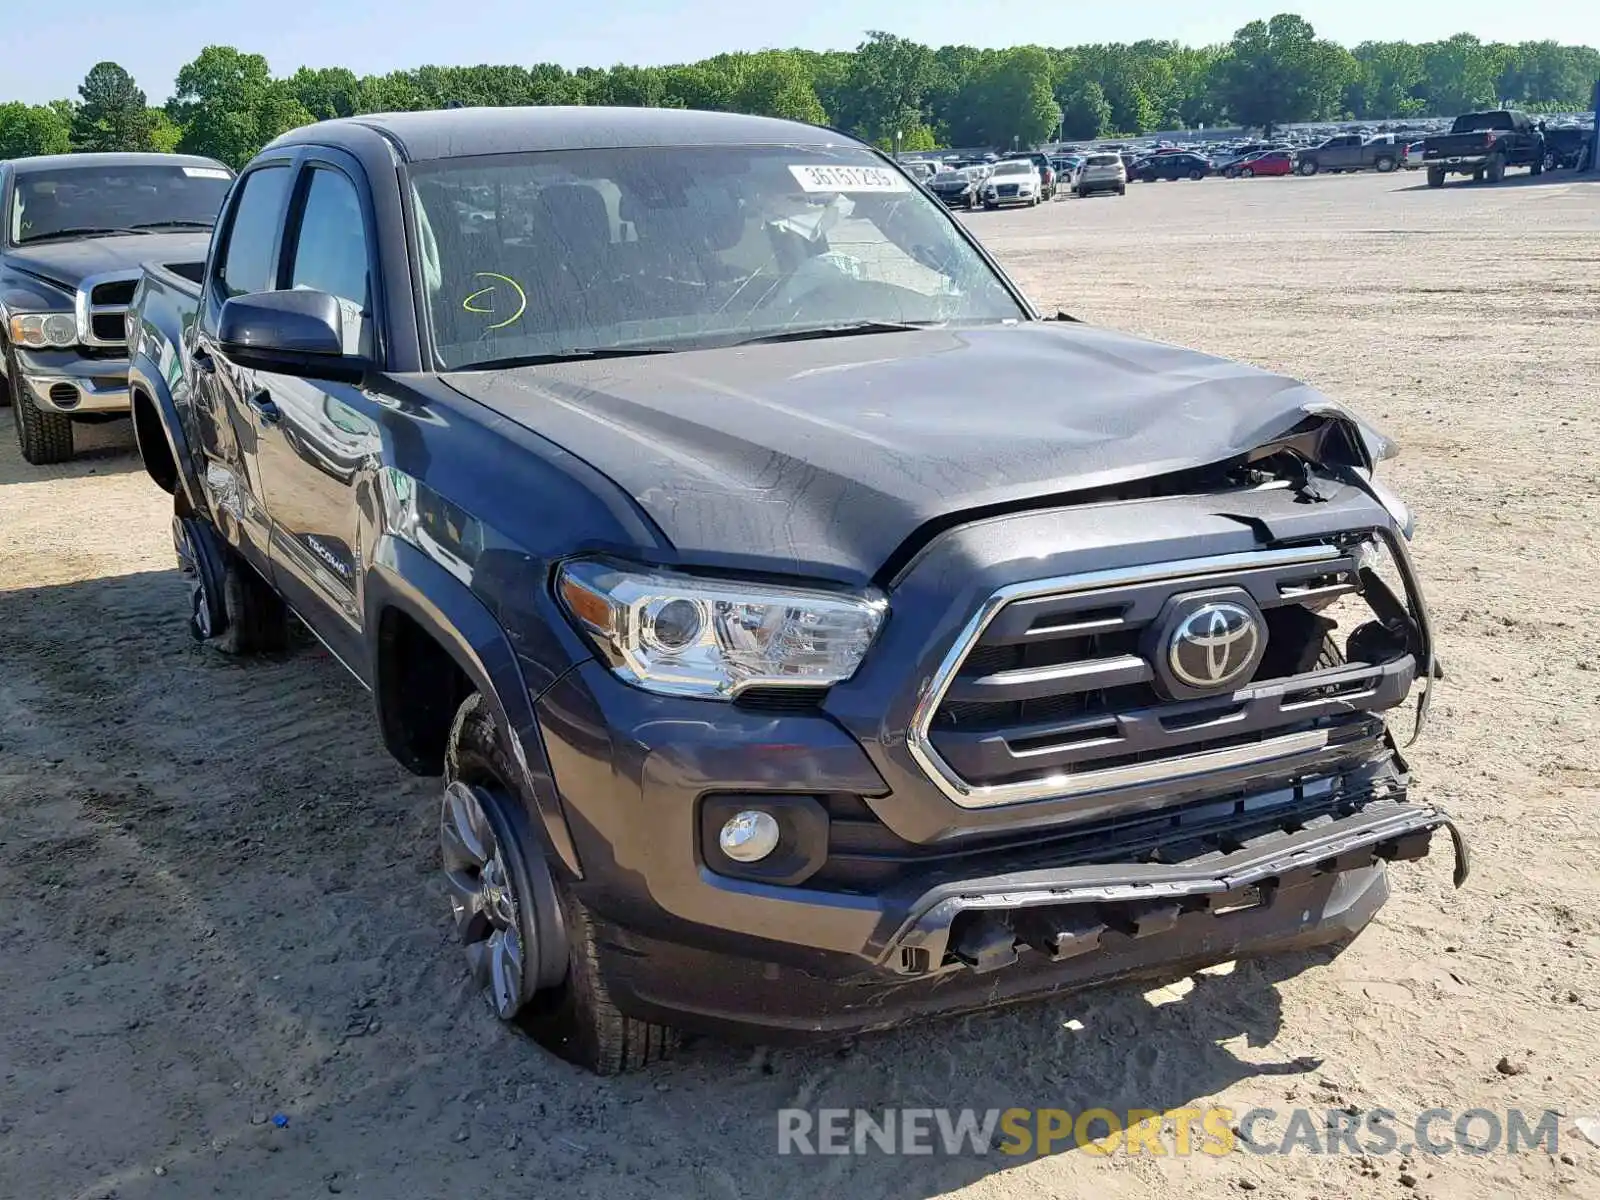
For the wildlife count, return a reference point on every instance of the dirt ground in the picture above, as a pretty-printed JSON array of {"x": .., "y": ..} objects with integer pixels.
[{"x": 218, "y": 899}]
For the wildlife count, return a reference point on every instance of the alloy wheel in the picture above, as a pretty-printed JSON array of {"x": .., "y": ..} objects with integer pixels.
[
  {"x": 483, "y": 898},
  {"x": 200, "y": 624}
]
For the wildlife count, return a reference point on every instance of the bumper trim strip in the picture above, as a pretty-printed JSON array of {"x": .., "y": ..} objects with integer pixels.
[{"x": 929, "y": 925}]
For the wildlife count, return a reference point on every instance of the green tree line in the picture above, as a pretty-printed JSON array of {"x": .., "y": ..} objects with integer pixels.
[{"x": 227, "y": 104}]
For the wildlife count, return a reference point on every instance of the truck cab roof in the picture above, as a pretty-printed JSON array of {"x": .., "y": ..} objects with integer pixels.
[{"x": 55, "y": 162}]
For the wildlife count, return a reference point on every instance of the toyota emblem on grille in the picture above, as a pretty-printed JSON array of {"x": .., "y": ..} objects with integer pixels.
[{"x": 1215, "y": 645}]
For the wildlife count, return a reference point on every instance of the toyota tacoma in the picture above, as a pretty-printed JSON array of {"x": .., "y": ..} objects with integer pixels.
[
  {"x": 76, "y": 228},
  {"x": 630, "y": 459}
]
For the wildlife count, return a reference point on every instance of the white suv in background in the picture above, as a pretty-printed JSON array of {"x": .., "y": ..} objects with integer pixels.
[
  {"x": 1013, "y": 181},
  {"x": 1102, "y": 173}
]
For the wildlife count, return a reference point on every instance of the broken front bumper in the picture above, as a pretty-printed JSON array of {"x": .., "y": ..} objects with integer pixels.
[
  {"x": 984, "y": 923},
  {"x": 985, "y": 942}
]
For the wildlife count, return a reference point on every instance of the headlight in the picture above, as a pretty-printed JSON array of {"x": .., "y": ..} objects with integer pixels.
[
  {"x": 44, "y": 329},
  {"x": 688, "y": 636}
]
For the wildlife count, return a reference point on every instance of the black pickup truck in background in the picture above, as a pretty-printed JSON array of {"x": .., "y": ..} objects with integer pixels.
[
  {"x": 630, "y": 458},
  {"x": 1483, "y": 145},
  {"x": 76, "y": 229}
]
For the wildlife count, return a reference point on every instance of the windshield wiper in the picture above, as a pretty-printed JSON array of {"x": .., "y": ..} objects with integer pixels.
[
  {"x": 832, "y": 331},
  {"x": 561, "y": 356},
  {"x": 173, "y": 225},
  {"x": 83, "y": 231}
]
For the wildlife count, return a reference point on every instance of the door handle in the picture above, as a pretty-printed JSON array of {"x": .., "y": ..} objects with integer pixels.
[{"x": 262, "y": 405}]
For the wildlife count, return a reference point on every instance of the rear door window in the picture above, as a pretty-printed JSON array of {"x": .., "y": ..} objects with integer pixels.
[{"x": 250, "y": 263}]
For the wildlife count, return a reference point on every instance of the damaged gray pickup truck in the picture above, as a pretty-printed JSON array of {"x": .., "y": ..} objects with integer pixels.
[{"x": 631, "y": 459}]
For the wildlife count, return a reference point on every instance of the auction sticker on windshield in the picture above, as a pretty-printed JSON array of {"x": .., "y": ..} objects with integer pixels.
[
  {"x": 848, "y": 179},
  {"x": 205, "y": 173}
]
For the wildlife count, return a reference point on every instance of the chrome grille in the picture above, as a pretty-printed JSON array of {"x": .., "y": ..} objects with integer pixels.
[
  {"x": 102, "y": 305},
  {"x": 1050, "y": 690}
]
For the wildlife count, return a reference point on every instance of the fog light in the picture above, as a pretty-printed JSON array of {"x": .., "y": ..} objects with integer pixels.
[{"x": 749, "y": 836}]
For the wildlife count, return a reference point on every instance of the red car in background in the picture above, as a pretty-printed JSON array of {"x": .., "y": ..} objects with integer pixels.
[{"x": 1268, "y": 162}]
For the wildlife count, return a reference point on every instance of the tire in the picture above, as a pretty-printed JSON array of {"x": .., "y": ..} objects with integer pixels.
[
  {"x": 5, "y": 379},
  {"x": 987, "y": 207},
  {"x": 1435, "y": 177},
  {"x": 1384, "y": 165},
  {"x": 1330, "y": 655},
  {"x": 1307, "y": 168},
  {"x": 44, "y": 437},
  {"x": 231, "y": 608},
  {"x": 1196, "y": 175},
  {"x": 1247, "y": 173},
  {"x": 1536, "y": 167},
  {"x": 1123, "y": 190},
  {"x": 563, "y": 1001},
  {"x": 1496, "y": 170},
  {"x": 1477, "y": 177},
  {"x": 1549, "y": 164}
]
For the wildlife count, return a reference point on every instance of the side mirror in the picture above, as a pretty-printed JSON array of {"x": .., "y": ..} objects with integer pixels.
[{"x": 296, "y": 332}]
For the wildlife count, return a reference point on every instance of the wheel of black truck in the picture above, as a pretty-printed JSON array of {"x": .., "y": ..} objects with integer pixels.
[
  {"x": 1537, "y": 166},
  {"x": 43, "y": 437},
  {"x": 531, "y": 946},
  {"x": 1496, "y": 170},
  {"x": 231, "y": 608}
]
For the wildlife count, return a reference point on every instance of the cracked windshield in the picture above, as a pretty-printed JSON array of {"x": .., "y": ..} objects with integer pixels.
[{"x": 566, "y": 253}]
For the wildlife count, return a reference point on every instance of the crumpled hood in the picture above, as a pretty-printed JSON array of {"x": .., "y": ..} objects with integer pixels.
[
  {"x": 68, "y": 263},
  {"x": 827, "y": 454}
]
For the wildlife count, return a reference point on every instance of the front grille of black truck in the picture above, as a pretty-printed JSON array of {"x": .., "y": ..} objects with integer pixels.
[
  {"x": 102, "y": 309},
  {"x": 1057, "y": 688}
]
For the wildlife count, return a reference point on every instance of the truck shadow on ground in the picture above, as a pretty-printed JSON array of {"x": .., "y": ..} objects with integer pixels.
[
  {"x": 1520, "y": 180},
  {"x": 255, "y": 883}
]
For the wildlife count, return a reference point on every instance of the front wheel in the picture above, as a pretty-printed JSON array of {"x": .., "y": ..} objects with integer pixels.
[
  {"x": 1496, "y": 170},
  {"x": 1308, "y": 168},
  {"x": 43, "y": 436},
  {"x": 1549, "y": 164},
  {"x": 1435, "y": 177},
  {"x": 1537, "y": 166},
  {"x": 531, "y": 946}
]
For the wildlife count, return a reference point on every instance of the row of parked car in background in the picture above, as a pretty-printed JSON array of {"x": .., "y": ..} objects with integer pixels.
[{"x": 1482, "y": 145}]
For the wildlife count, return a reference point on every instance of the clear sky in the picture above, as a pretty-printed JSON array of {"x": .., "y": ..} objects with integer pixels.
[{"x": 46, "y": 49}]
